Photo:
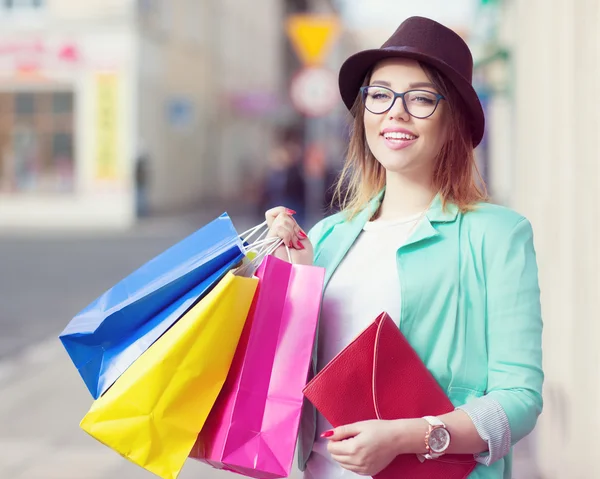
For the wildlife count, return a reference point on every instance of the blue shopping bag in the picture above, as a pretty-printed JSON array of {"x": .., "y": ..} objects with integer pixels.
[{"x": 105, "y": 338}]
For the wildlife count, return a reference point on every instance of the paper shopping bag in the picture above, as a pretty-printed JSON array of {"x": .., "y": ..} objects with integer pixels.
[
  {"x": 154, "y": 412},
  {"x": 253, "y": 427},
  {"x": 110, "y": 334}
]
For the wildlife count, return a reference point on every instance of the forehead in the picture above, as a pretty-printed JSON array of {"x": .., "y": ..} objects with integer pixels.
[{"x": 400, "y": 73}]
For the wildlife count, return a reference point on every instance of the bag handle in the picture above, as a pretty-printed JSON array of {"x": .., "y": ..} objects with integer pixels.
[
  {"x": 260, "y": 245},
  {"x": 262, "y": 241},
  {"x": 269, "y": 246},
  {"x": 250, "y": 267},
  {"x": 259, "y": 241},
  {"x": 246, "y": 235}
]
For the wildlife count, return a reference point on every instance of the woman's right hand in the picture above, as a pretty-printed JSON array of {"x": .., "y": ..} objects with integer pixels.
[{"x": 282, "y": 225}]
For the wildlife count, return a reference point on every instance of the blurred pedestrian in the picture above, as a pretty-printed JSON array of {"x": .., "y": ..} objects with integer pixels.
[
  {"x": 418, "y": 239},
  {"x": 284, "y": 181},
  {"x": 142, "y": 180}
]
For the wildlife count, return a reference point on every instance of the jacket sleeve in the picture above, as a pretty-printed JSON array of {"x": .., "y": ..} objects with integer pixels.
[
  {"x": 514, "y": 330},
  {"x": 491, "y": 423}
]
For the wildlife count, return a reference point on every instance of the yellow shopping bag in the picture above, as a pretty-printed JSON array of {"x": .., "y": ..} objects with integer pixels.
[{"x": 154, "y": 412}]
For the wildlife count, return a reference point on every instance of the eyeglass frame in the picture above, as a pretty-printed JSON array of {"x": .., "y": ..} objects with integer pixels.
[{"x": 363, "y": 90}]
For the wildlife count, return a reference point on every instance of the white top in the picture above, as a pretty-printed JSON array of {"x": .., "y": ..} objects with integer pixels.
[{"x": 364, "y": 285}]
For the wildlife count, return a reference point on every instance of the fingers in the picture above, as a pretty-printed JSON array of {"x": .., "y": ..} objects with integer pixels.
[
  {"x": 286, "y": 228},
  {"x": 345, "y": 453},
  {"x": 343, "y": 432},
  {"x": 287, "y": 234},
  {"x": 283, "y": 231},
  {"x": 300, "y": 232},
  {"x": 343, "y": 447},
  {"x": 340, "y": 450},
  {"x": 346, "y": 463},
  {"x": 273, "y": 213}
]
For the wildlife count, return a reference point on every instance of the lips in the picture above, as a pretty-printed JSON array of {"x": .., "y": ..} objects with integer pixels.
[
  {"x": 398, "y": 134},
  {"x": 396, "y": 139}
]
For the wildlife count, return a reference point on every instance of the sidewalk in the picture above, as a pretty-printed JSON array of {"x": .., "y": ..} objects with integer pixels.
[{"x": 42, "y": 400}]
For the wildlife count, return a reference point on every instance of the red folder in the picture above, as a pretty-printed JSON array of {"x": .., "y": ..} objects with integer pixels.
[{"x": 380, "y": 376}]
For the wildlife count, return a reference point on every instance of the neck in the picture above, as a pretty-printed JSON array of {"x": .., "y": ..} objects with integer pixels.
[{"x": 405, "y": 196}]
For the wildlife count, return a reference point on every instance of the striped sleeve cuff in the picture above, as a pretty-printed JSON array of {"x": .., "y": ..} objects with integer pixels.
[{"x": 491, "y": 423}]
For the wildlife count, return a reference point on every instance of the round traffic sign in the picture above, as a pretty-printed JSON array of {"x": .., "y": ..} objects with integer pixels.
[{"x": 314, "y": 91}]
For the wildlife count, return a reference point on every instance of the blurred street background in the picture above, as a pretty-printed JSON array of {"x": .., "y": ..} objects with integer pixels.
[{"x": 126, "y": 125}]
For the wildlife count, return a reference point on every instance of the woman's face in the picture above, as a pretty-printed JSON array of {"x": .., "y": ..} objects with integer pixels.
[{"x": 400, "y": 142}]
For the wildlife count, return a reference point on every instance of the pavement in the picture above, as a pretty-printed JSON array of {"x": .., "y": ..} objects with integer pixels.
[
  {"x": 42, "y": 401},
  {"x": 45, "y": 280}
]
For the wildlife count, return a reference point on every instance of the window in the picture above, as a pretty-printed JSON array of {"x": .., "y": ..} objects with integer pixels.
[
  {"x": 62, "y": 103},
  {"x": 37, "y": 142},
  {"x": 16, "y": 4},
  {"x": 24, "y": 103},
  {"x": 22, "y": 10}
]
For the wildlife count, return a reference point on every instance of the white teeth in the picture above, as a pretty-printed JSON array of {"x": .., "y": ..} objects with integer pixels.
[{"x": 396, "y": 135}]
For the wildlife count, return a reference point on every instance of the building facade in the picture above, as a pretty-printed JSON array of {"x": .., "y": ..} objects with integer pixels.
[
  {"x": 66, "y": 127},
  {"x": 546, "y": 164},
  {"x": 110, "y": 106}
]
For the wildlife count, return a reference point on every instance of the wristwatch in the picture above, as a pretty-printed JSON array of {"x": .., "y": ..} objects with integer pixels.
[{"x": 437, "y": 439}]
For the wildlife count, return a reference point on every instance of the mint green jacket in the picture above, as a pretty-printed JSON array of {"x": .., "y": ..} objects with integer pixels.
[{"x": 470, "y": 307}]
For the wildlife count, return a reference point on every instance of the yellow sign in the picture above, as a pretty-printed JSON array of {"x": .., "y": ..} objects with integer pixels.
[
  {"x": 313, "y": 36},
  {"x": 107, "y": 116}
]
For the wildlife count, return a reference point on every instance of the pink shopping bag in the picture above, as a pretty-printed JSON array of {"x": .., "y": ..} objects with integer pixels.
[{"x": 253, "y": 427}]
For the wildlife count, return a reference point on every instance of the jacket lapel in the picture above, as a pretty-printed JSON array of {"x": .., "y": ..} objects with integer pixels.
[
  {"x": 342, "y": 237},
  {"x": 344, "y": 234},
  {"x": 435, "y": 214}
]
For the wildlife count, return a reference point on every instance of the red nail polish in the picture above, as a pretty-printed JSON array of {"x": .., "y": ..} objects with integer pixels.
[
  {"x": 302, "y": 234},
  {"x": 290, "y": 212},
  {"x": 327, "y": 434},
  {"x": 300, "y": 246}
]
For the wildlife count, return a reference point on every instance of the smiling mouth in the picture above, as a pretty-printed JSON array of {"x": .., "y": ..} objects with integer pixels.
[{"x": 396, "y": 136}]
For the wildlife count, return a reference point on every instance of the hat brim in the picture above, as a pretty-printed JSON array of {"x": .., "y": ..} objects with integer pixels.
[{"x": 355, "y": 69}]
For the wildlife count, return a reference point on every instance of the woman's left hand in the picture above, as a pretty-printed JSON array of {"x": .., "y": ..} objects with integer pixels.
[{"x": 365, "y": 448}]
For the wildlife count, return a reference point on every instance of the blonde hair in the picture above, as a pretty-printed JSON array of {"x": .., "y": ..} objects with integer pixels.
[{"x": 456, "y": 176}]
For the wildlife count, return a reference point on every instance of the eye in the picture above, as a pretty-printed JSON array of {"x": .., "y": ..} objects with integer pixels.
[
  {"x": 422, "y": 98},
  {"x": 379, "y": 94}
]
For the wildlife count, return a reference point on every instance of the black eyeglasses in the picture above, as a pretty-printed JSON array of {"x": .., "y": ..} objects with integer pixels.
[{"x": 418, "y": 103}]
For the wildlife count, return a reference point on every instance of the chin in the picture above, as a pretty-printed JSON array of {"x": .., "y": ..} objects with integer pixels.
[{"x": 398, "y": 164}]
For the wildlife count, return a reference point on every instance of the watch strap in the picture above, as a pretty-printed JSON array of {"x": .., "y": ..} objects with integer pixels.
[{"x": 433, "y": 422}]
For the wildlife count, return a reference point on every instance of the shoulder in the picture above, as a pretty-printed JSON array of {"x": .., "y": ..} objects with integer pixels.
[
  {"x": 494, "y": 220},
  {"x": 500, "y": 233}
]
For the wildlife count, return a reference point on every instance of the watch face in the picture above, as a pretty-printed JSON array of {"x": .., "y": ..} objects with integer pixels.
[{"x": 439, "y": 440}]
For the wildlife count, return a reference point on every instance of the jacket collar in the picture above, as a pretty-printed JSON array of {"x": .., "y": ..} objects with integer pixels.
[
  {"x": 437, "y": 214},
  {"x": 344, "y": 234}
]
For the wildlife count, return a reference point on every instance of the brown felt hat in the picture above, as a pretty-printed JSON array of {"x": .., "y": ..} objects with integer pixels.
[{"x": 427, "y": 41}]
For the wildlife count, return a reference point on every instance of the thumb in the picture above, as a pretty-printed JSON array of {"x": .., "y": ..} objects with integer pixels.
[{"x": 342, "y": 432}]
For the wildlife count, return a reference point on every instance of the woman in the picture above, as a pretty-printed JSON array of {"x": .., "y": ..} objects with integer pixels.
[{"x": 417, "y": 239}]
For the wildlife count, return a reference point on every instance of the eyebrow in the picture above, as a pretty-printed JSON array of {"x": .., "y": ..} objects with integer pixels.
[
  {"x": 382, "y": 83},
  {"x": 411, "y": 85}
]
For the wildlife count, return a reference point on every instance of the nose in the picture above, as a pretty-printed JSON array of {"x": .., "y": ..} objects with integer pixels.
[{"x": 398, "y": 111}]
